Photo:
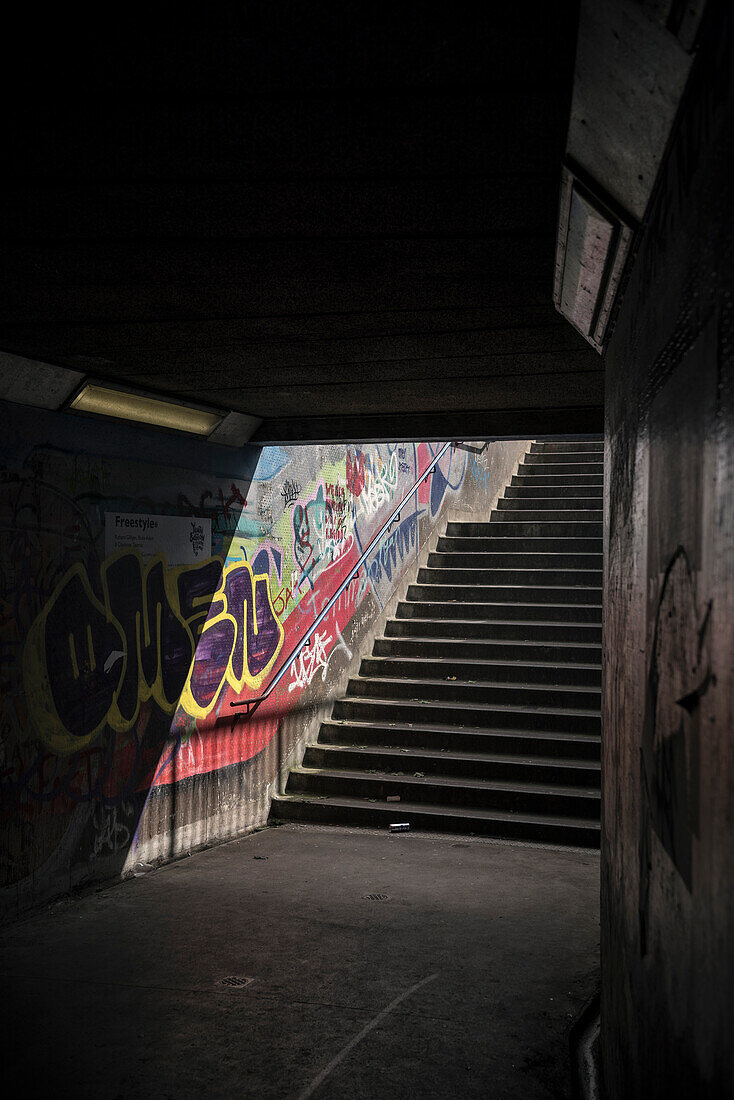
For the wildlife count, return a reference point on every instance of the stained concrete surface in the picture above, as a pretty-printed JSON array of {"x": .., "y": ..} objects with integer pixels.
[
  {"x": 667, "y": 865},
  {"x": 119, "y": 992}
]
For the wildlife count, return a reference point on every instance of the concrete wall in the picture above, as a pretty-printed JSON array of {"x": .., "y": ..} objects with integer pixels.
[
  {"x": 117, "y": 747},
  {"x": 668, "y": 747},
  {"x": 89, "y": 699}
]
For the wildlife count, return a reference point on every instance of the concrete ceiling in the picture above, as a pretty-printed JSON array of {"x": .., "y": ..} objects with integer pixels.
[{"x": 339, "y": 218}]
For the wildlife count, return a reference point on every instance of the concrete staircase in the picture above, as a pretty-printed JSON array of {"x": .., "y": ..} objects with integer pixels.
[{"x": 480, "y": 708}]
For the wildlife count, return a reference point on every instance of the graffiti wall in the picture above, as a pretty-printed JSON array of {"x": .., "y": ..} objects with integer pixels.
[{"x": 139, "y": 601}]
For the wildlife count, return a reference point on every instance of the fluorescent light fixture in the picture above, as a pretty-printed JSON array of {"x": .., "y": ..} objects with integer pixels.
[
  {"x": 591, "y": 250},
  {"x": 105, "y": 401}
]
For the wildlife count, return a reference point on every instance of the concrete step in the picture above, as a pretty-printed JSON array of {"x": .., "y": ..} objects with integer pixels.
[
  {"x": 569, "y": 772},
  {"x": 564, "y": 458},
  {"x": 522, "y": 479},
  {"x": 523, "y": 561},
  {"x": 570, "y": 516},
  {"x": 595, "y": 446},
  {"x": 469, "y": 693},
  {"x": 450, "y": 738},
  {"x": 508, "y": 525},
  {"x": 569, "y": 613},
  {"x": 516, "y": 826},
  {"x": 509, "y": 795},
  {"x": 561, "y": 490},
  {"x": 529, "y": 576},
  {"x": 425, "y": 667},
  {"x": 505, "y": 593},
  {"x": 489, "y": 544},
  {"x": 550, "y": 503},
  {"x": 499, "y": 631},
  {"x": 453, "y": 649},
  {"x": 567, "y": 516},
  {"x": 542, "y": 467},
  {"x": 475, "y": 715}
]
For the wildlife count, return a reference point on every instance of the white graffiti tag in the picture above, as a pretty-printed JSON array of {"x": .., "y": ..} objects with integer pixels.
[
  {"x": 308, "y": 662},
  {"x": 379, "y": 485},
  {"x": 110, "y": 833}
]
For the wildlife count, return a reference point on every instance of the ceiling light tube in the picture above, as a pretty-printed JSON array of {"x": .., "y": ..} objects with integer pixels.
[{"x": 105, "y": 401}]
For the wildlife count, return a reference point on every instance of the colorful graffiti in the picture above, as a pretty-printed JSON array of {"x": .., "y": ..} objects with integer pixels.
[
  {"x": 448, "y": 474},
  {"x": 94, "y": 661},
  {"x": 239, "y": 643},
  {"x": 380, "y": 483},
  {"x": 356, "y": 472},
  {"x": 119, "y": 671},
  {"x": 320, "y": 535}
]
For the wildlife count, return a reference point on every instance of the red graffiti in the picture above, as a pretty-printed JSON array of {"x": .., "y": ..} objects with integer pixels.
[
  {"x": 283, "y": 599},
  {"x": 355, "y": 473}
]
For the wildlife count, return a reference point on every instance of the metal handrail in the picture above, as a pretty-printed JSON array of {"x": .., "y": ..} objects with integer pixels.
[{"x": 252, "y": 704}]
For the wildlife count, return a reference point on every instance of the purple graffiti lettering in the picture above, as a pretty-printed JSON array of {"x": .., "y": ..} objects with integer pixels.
[{"x": 212, "y": 659}]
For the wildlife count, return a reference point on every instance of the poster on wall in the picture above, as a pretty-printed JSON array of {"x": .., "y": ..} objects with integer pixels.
[{"x": 183, "y": 540}]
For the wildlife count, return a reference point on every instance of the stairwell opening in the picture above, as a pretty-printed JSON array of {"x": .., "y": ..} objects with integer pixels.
[{"x": 474, "y": 703}]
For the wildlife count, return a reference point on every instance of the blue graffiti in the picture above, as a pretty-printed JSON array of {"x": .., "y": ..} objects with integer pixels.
[
  {"x": 396, "y": 544},
  {"x": 271, "y": 462},
  {"x": 480, "y": 474},
  {"x": 440, "y": 482}
]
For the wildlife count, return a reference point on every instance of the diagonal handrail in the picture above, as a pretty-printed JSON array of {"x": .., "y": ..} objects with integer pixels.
[{"x": 251, "y": 705}]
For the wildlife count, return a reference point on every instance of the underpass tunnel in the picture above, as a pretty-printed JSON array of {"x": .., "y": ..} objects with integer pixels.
[{"x": 366, "y": 578}]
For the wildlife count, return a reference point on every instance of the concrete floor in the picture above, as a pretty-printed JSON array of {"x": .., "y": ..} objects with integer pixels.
[{"x": 119, "y": 993}]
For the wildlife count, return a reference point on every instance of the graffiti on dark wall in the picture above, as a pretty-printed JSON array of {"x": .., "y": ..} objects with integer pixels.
[
  {"x": 108, "y": 772},
  {"x": 678, "y": 534},
  {"x": 94, "y": 661},
  {"x": 678, "y": 679}
]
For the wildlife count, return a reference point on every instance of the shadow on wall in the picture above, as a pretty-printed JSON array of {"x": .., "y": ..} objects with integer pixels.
[{"x": 140, "y": 601}]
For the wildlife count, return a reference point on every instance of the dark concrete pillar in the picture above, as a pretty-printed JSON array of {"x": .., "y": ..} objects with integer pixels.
[{"x": 668, "y": 743}]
